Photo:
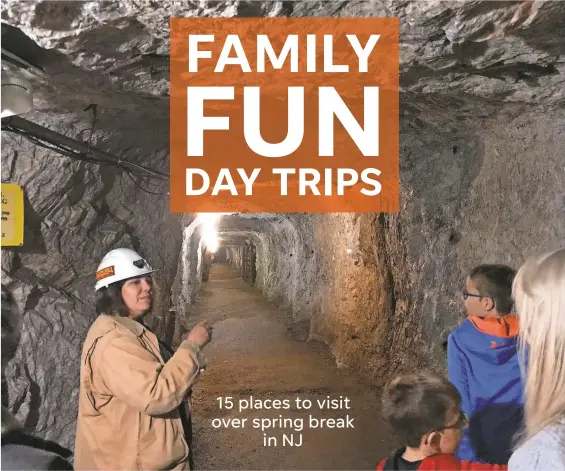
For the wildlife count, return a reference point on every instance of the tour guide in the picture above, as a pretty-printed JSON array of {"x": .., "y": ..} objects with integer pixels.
[{"x": 131, "y": 402}]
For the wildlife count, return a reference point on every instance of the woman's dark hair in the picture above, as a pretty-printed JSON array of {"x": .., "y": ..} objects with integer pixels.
[{"x": 109, "y": 300}]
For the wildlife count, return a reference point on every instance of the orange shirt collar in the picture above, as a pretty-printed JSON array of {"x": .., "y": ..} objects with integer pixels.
[{"x": 505, "y": 326}]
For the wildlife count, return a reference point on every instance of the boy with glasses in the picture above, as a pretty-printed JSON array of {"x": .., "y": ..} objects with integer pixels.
[
  {"x": 424, "y": 410},
  {"x": 483, "y": 365}
]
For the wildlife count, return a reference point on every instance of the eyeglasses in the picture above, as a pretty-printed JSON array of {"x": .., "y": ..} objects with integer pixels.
[
  {"x": 466, "y": 295},
  {"x": 461, "y": 422}
]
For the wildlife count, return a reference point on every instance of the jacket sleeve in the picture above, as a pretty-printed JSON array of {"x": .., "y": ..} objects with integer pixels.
[
  {"x": 136, "y": 377},
  {"x": 457, "y": 375},
  {"x": 470, "y": 466},
  {"x": 447, "y": 462},
  {"x": 381, "y": 465}
]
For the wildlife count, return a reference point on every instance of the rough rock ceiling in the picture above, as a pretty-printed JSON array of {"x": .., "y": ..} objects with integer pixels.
[{"x": 116, "y": 53}]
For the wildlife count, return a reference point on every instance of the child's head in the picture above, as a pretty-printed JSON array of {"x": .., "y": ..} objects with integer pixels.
[
  {"x": 488, "y": 291},
  {"x": 424, "y": 410}
]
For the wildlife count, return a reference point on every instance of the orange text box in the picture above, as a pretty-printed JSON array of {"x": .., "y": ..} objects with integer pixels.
[{"x": 284, "y": 115}]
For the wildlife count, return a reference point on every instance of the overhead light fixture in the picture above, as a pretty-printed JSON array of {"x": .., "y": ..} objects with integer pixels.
[
  {"x": 18, "y": 80},
  {"x": 17, "y": 94}
]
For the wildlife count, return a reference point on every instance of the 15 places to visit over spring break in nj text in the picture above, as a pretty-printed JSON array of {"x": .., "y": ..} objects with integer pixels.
[
  {"x": 284, "y": 115},
  {"x": 284, "y": 429}
]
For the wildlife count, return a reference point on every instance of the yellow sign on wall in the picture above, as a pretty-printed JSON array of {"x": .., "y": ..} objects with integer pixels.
[{"x": 12, "y": 215}]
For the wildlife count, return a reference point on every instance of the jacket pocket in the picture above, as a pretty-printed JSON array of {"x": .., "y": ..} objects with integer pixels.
[
  {"x": 181, "y": 433},
  {"x": 159, "y": 444},
  {"x": 147, "y": 429}
]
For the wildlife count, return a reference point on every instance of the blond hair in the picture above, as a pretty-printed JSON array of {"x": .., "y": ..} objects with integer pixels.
[{"x": 539, "y": 293}]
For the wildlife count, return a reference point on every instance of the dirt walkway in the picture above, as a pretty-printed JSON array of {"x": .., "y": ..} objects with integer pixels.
[{"x": 254, "y": 358}]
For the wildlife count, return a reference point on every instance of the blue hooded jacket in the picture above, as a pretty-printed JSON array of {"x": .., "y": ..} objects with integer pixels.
[{"x": 483, "y": 364}]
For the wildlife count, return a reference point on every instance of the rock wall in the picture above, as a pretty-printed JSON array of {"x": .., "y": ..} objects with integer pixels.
[
  {"x": 483, "y": 191},
  {"x": 285, "y": 258},
  {"x": 74, "y": 213},
  {"x": 234, "y": 255},
  {"x": 384, "y": 290},
  {"x": 486, "y": 191}
]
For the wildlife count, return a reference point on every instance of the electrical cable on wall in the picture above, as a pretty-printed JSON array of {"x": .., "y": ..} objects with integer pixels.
[
  {"x": 74, "y": 149},
  {"x": 130, "y": 175}
]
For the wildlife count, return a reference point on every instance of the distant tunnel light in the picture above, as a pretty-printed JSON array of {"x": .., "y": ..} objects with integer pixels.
[
  {"x": 210, "y": 229},
  {"x": 210, "y": 237}
]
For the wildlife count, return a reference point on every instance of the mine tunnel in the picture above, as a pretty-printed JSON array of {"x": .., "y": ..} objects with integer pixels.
[{"x": 309, "y": 305}]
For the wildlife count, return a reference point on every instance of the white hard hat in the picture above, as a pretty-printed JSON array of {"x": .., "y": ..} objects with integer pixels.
[{"x": 118, "y": 265}]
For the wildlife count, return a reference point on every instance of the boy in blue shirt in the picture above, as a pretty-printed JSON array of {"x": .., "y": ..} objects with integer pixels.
[{"x": 483, "y": 364}]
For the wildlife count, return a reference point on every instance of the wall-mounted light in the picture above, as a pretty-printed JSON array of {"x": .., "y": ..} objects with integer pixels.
[{"x": 17, "y": 94}]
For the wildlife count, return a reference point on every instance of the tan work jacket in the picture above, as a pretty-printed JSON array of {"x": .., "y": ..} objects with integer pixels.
[{"x": 128, "y": 414}]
